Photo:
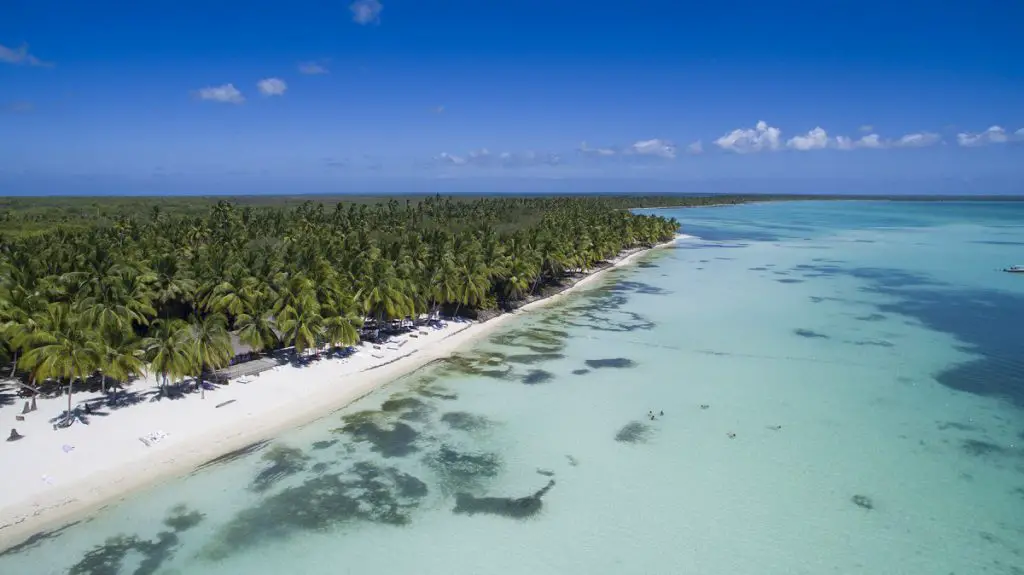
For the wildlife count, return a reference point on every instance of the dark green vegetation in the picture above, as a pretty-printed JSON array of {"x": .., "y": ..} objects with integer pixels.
[
  {"x": 165, "y": 285},
  {"x": 33, "y": 215}
]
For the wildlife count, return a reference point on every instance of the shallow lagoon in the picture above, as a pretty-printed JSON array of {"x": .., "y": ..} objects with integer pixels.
[{"x": 842, "y": 386}]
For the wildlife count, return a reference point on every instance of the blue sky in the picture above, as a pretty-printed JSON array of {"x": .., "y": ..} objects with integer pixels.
[{"x": 471, "y": 95}]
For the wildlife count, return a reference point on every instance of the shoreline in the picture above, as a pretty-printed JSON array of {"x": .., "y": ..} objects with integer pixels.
[{"x": 33, "y": 502}]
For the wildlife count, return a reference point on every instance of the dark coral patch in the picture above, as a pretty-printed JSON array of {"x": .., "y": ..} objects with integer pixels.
[
  {"x": 367, "y": 492},
  {"x": 181, "y": 519},
  {"x": 956, "y": 425},
  {"x": 284, "y": 461},
  {"x": 871, "y": 317},
  {"x": 390, "y": 440},
  {"x": 874, "y": 343},
  {"x": 614, "y": 362},
  {"x": 319, "y": 445},
  {"x": 461, "y": 471},
  {"x": 515, "y": 508},
  {"x": 633, "y": 432},
  {"x": 536, "y": 339},
  {"x": 533, "y": 358},
  {"x": 580, "y": 371},
  {"x": 108, "y": 558},
  {"x": 535, "y": 376},
  {"x": 37, "y": 539},
  {"x": 402, "y": 404},
  {"x": 810, "y": 334},
  {"x": 465, "y": 421},
  {"x": 437, "y": 394},
  {"x": 484, "y": 364},
  {"x": 863, "y": 501},
  {"x": 982, "y": 448}
]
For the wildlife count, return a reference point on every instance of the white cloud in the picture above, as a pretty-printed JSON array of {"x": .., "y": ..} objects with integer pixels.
[
  {"x": 918, "y": 140},
  {"x": 313, "y": 68},
  {"x": 870, "y": 141},
  {"x": 993, "y": 135},
  {"x": 587, "y": 150},
  {"x": 655, "y": 147},
  {"x": 20, "y": 56},
  {"x": 272, "y": 86},
  {"x": 761, "y": 137},
  {"x": 529, "y": 158},
  {"x": 815, "y": 139},
  {"x": 451, "y": 159},
  {"x": 1019, "y": 133},
  {"x": 696, "y": 147},
  {"x": 867, "y": 128},
  {"x": 226, "y": 93},
  {"x": 484, "y": 158},
  {"x": 366, "y": 11}
]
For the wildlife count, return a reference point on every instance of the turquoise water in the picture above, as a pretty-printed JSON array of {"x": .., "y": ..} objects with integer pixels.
[{"x": 842, "y": 386}]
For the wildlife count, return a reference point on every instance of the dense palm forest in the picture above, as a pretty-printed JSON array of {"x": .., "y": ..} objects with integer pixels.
[
  {"x": 36, "y": 214},
  {"x": 163, "y": 292}
]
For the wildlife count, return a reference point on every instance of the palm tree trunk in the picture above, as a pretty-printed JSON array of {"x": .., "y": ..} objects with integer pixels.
[
  {"x": 71, "y": 389},
  {"x": 536, "y": 282},
  {"x": 14, "y": 365}
]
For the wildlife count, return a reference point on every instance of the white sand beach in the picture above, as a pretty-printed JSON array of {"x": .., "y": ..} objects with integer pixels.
[{"x": 53, "y": 476}]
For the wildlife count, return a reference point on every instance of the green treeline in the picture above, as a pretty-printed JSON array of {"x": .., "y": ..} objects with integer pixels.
[
  {"x": 30, "y": 215},
  {"x": 159, "y": 290}
]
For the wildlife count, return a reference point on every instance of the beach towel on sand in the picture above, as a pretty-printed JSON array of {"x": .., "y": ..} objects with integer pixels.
[{"x": 153, "y": 438}]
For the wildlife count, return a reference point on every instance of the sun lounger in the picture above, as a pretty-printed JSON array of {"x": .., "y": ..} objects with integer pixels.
[{"x": 378, "y": 355}]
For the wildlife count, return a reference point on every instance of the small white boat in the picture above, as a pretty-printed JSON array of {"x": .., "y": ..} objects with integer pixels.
[{"x": 1015, "y": 270}]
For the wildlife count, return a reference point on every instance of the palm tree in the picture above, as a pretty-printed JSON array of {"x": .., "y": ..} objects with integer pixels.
[
  {"x": 382, "y": 295},
  {"x": 211, "y": 345},
  {"x": 341, "y": 323},
  {"x": 302, "y": 270},
  {"x": 302, "y": 325},
  {"x": 19, "y": 313},
  {"x": 168, "y": 350},
  {"x": 518, "y": 281},
  {"x": 473, "y": 283},
  {"x": 121, "y": 358},
  {"x": 65, "y": 348},
  {"x": 256, "y": 326}
]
